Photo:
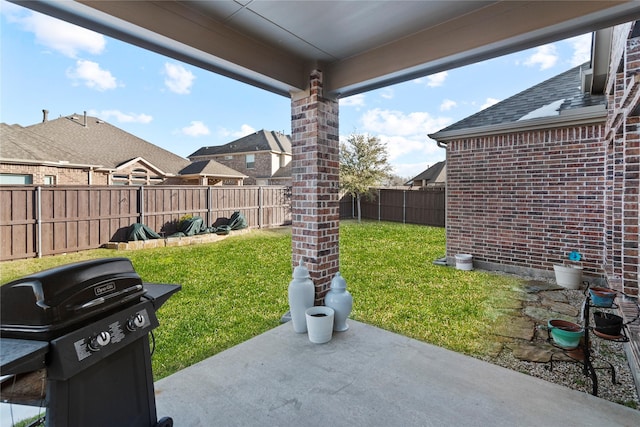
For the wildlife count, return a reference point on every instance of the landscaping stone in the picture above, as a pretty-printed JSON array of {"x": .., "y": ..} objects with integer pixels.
[
  {"x": 543, "y": 314},
  {"x": 561, "y": 307},
  {"x": 535, "y": 286},
  {"x": 532, "y": 352},
  {"x": 516, "y": 327},
  {"x": 553, "y": 296}
]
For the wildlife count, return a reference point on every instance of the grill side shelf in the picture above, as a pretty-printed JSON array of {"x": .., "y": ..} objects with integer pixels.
[{"x": 18, "y": 356}]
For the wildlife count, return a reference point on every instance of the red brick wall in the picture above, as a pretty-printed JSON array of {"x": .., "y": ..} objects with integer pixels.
[
  {"x": 622, "y": 142},
  {"x": 63, "y": 176},
  {"x": 315, "y": 169},
  {"x": 523, "y": 201}
]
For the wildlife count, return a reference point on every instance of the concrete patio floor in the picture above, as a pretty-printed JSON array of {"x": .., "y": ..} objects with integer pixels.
[{"x": 368, "y": 377}]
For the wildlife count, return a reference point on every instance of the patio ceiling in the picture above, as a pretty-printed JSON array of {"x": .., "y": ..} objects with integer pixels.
[{"x": 359, "y": 45}]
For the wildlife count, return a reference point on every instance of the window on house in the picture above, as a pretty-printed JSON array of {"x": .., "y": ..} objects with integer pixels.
[
  {"x": 228, "y": 157},
  {"x": 139, "y": 177},
  {"x": 251, "y": 161},
  {"x": 15, "y": 179},
  {"x": 120, "y": 180},
  {"x": 49, "y": 180}
]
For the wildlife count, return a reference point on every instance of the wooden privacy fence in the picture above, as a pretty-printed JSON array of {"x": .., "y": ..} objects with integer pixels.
[
  {"x": 38, "y": 221},
  {"x": 423, "y": 206}
]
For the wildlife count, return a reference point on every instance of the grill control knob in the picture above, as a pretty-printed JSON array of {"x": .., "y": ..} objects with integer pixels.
[
  {"x": 99, "y": 341},
  {"x": 135, "y": 322}
]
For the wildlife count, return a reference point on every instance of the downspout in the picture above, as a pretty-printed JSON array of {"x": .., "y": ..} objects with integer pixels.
[{"x": 442, "y": 144}]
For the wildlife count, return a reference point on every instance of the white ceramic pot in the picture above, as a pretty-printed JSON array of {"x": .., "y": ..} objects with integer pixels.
[
  {"x": 464, "y": 262},
  {"x": 568, "y": 276},
  {"x": 320, "y": 324}
]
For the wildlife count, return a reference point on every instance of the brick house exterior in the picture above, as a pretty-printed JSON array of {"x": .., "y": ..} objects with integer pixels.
[
  {"x": 525, "y": 189},
  {"x": 84, "y": 150},
  {"x": 264, "y": 156}
]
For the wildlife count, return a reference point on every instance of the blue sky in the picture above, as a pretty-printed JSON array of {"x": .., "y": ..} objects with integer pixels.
[{"x": 53, "y": 65}]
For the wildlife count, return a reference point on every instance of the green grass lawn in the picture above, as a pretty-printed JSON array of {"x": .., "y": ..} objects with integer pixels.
[{"x": 235, "y": 289}]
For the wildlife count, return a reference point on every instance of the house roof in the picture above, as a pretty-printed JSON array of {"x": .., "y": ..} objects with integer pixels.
[
  {"x": 284, "y": 172},
  {"x": 71, "y": 142},
  {"x": 558, "y": 96},
  {"x": 210, "y": 168},
  {"x": 433, "y": 173},
  {"x": 261, "y": 140},
  {"x": 21, "y": 145},
  {"x": 96, "y": 142}
]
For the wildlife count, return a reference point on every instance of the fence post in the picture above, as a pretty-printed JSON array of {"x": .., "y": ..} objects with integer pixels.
[
  {"x": 260, "y": 200},
  {"x": 379, "y": 206},
  {"x": 209, "y": 216},
  {"x": 404, "y": 206},
  {"x": 39, "y": 221},
  {"x": 141, "y": 203}
]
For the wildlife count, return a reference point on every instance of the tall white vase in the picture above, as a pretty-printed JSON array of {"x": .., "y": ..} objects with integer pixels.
[
  {"x": 341, "y": 301},
  {"x": 301, "y": 296}
]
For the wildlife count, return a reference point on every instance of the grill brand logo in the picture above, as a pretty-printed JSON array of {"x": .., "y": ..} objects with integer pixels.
[{"x": 106, "y": 288}]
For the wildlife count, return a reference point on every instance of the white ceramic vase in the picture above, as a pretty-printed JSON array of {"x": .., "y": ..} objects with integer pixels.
[
  {"x": 301, "y": 296},
  {"x": 341, "y": 301}
]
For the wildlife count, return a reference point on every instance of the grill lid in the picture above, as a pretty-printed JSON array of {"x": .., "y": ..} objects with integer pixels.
[{"x": 46, "y": 304}]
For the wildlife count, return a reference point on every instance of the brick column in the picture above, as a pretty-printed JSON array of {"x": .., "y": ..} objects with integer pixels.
[{"x": 315, "y": 172}]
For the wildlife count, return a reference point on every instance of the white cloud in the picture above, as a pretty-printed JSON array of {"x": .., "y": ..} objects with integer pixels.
[
  {"x": 437, "y": 79},
  {"x": 398, "y": 123},
  {"x": 91, "y": 75},
  {"x": 433, "y": 80},
  {"x": 489, "y": 102},
  {"x": 405, "y": 135},
  {"x": 123, "y": 117},
  {"x": 352, "y": 101},
  {"x": 243, "y": 131},
  {"x": 196, "y": 128},
  {"x": 387, "y": 93},
  {"x": 58, "y": 35},
  {"x": 447, "y": 105},
  {"x": 581, "y": 49},
  {"x": 545, "y": 56},
  {"x": 178, "y": 79}
]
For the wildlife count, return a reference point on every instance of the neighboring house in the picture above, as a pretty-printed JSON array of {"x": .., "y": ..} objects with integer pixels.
[
  {"x": 554, "y": 169},
  {"x": 435, "y": 176},
  {"x": 264, "y": 156},
  {"x": 84, "y": 150}
]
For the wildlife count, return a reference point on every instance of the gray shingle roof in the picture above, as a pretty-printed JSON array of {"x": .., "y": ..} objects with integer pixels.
[
  {"x": 258, "y": 141},
  {"x": 432, "y": 173},
  {"x": 211, "y": 168},
  {"x": 100, "y": 143},
  {"x": 565, "y": 87},
  {"x": 20, "y": 144}
]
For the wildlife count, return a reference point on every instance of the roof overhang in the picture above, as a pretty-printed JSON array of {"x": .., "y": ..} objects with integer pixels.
[{"x": 359, "y": 45}]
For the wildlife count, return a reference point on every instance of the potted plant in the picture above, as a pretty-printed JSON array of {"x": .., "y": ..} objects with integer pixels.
[{"x": 569, "y": 274}]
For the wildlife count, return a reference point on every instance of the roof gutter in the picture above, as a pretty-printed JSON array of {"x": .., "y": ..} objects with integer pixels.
[
  {"x": 60, "y": 163},
  {"x": 573, "y": 117}
]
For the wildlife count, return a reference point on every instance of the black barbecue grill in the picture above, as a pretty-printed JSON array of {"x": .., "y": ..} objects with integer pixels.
[{"x": 76, "y": 340}]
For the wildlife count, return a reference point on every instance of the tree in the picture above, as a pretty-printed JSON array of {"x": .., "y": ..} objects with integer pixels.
[{"x": 363, "y": 165}]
